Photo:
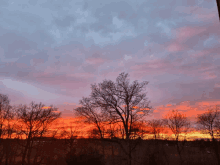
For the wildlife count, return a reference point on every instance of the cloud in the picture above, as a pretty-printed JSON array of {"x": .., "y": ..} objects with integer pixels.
[
  {"x": 64, "y": 21},
  {"x": 191, "y": 110},
  {"x": 63, "y": 47},
  {"x": 95, "y": 61},
  {"x": 217, "y": 85},
  {"x": 30, "y": 91},
  {"x": 175, "y": 47}
]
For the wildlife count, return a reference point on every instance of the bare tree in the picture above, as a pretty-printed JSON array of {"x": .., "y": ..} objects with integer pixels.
[
  {"x": 91, "y": 114},
  {"x": 120, "y": 102},
  {"x": 178, "y": 123},
  {"x": 123, "y": 102},
  {"x": 5, "y": 112},
  {"x": 70, "y": 134},
  {"x": 156, "y": 127},
  {"x": 209, "y": 122},
  {"x": 6, "y": 127},
  {"x": 34, "y": 121}
]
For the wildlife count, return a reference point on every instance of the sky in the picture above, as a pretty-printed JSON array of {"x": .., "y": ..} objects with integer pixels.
[{"x": 51, "y": 51}]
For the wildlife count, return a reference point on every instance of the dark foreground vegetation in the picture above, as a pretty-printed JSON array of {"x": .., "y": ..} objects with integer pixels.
[{"x": 105, "y": 152}]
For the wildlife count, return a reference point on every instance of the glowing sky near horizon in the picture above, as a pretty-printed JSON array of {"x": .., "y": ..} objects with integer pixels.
[{"x": 52, "y": 51}]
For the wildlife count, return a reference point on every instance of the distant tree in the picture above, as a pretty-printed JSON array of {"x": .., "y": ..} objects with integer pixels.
[
  {"x": 34, "y": 121},
  {"x": 156, "y": 127},
  {"x": 120, "y": 102},
  {"x": 178, "y": 123},
  {"x": 6, "y": 127},
  {"x": 209, "y": 122},
  {"x": 92, "y": 115},
  {"x": 5, "y": 113},
  {"x": 70, "y": 133}
]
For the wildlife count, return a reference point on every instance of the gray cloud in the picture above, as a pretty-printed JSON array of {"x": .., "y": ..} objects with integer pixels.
[
  {"x": 64, "y": 46},
  {"x": 64, "y": 21}
]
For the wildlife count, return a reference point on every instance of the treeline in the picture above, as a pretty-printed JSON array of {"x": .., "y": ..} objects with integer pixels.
[
  {"x": 123, "y": 106},
  {"x": 118, "y": 110}
]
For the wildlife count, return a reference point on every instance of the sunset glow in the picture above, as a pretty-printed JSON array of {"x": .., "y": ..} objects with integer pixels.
[
  {"x": 109, "y": 82},
  {"x": 53, "y": 56}
]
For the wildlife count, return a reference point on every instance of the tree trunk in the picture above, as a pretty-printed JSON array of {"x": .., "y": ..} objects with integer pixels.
[
  {"x": 215, "y": 147},
  {"x": 25, "y": 151},
  {"x": 7, "y": 150},
  {"x": 29, "y": 152},
  {"x": 129, "y": 153},
  {"x": 179, "y": 152}
]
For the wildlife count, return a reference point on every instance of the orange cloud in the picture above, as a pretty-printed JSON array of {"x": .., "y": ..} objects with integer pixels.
[
  {"x": 191, "y": 111},
  {"x": 46, "y": 107}
]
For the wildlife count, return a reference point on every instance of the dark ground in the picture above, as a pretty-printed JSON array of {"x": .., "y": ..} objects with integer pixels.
[{"x": 59, "y": 152}]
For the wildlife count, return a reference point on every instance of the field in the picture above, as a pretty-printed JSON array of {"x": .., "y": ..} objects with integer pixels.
[{"x": 59, "y": 152}]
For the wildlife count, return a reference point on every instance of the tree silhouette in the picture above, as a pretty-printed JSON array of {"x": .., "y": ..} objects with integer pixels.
[
  {"x": 6, "y": 127},
  {"x": 209, "y": 122},
  {"x": 156, "y": 127},
  {"x": 118, "y": 102},
  {"x": 34, "y": 121},
  {"x": 5, "y": 112},
  {"x": 178, "y": 123},
  {"x": 91, "y": 114}
]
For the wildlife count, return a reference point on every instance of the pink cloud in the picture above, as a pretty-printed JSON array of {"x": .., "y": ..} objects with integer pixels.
[
  {"x": 35, "y": 61},
  {"x": 74, "y": 104},
  {"x": 184, "y": 33},
  {"x": 205, "y": 17},
  {"x": 95, "y": 61},
  {"x": 153, "y": 64},
  {"x": 209, "y": 75},
  {"x": 175, "y": 47},
  {"x": 217, "y": 85},
  {"x": 196, "y": 12}
]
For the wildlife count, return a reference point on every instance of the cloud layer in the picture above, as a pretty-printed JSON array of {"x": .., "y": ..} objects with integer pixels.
[{"x": 51, "y": 51}]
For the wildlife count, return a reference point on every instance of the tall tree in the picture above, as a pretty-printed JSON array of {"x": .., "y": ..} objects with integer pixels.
[
  {"x": 119, "y": 102},
  {"x": 122, "y": 102},
  {"x": 34, "y": 122}
]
